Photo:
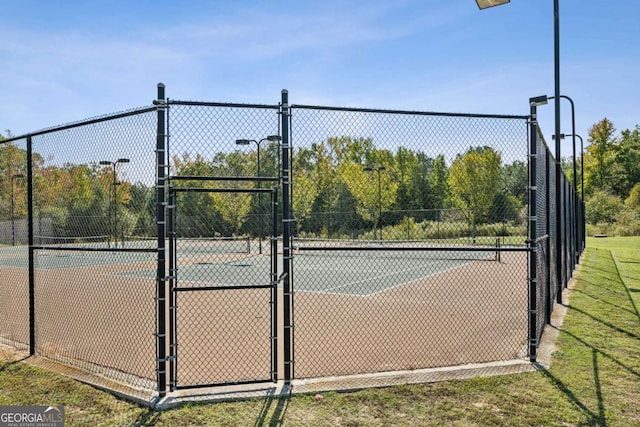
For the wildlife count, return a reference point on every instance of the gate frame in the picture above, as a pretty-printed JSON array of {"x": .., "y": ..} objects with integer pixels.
[{"x": 173, "y": 277}]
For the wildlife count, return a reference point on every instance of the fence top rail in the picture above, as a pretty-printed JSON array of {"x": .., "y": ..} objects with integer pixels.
[
  {"x": 221, "y": 190},
  {"x": 409, "y": 112},
  {"x": 224, "y": 178},
  {"x": 222, "y": 104},
  {"x": 85, "y": 122}
]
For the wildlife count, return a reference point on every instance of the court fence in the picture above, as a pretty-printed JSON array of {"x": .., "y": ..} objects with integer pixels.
[{"x": 198, "y": 244}]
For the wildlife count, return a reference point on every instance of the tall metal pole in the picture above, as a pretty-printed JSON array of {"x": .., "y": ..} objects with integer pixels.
[
  {"x": 581, "y": 201},
  {"x": 13, "y": 217},
  {"x": 576, "y": 253},
  {"x": 114, "y": 197},
  {"x": 270, "y": 138},
  {"x": 13, "y": 225},
  {"x": 379, "y": 204},
  {"x": 161, "y": 279},
  {"x": 115, "y": 206},
  {"x": 583, "y": 219},
  {"x": 31, "y": 253},
  {"x": 575, "y": 173},
  {"x": 259, "y": 202},
  {"x": 533, "y": 228},
  {"x": 558, "y": 213},
  {"x": 286, "y": 240}
]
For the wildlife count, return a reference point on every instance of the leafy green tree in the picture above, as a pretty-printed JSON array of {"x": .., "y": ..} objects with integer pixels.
[
  {"x": 13, "y": 161},
  {"x": 142, "y": 206},
  {"x": 305, "y": 178},
  {"x": 633, "y": 201},
  {"x": 514, "y": 181},
  {"x": 598, "y": 157},
  {"x": 602, "y": 207},
  {"x": 624, "y": 170},
  {"x": 566, "y": 164},
  {"x": 196, "y": 212},
  {"x": 474, "y": 179},
  {"x": 418, "y": 181},
  {"x": 439, "y": 183},
  {"x": 370, "y": 198},
  {"x": 233, "y": 207},
  {"x": 347, "y": 149}
]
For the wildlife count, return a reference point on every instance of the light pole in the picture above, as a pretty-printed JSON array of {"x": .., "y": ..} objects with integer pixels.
[
  {"x": 270, "y": 138},
  {"x": 543, "y": 99},
  {"x": 13, "y": 218},
  {"x": 574, "y": 135},
  {"x": 581, "y": 185},
  {"x": 575, "y": 185},
  {"x": 483, "y": 4},
  {"x": 378, "y": 169},
  {"x": 114, "y": 184}
]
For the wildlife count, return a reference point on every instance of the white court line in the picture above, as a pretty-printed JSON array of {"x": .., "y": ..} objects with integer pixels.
[{"x": 328, "y": 290}]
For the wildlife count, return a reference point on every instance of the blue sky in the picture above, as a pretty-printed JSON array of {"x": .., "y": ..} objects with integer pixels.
[{"x": 65, "y": 60}]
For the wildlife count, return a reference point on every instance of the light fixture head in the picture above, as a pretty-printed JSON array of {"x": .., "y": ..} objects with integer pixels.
[
  {"x": 243, "y": 141},
  {"x": 105, "y": 162},
  {"x": 122, "y": 161},
  {"x": 538, "y": 100},
  {"x": 274, "y": 138},
  {"x": 484, "y": 4}
]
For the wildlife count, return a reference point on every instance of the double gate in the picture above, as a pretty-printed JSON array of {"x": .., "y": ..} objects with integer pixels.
[{"x": 222, "y": 292}]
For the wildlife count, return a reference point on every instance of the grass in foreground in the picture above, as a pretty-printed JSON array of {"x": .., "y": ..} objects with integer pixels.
[{"x": 594, "y": 379}]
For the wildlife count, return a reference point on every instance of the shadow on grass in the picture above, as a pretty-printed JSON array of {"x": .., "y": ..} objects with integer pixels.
[
  {"x": 600, "y": 300},
  {"x": 272, "y": 413},
  {"x": 604, "y": 322},
  {"x": 8, "y": 363},
  {"x": 598, "y": 418},
  {"x": 594, "y": 419},
  {"x": 626, "y": 288},
  {"x": 147, "y": 418},
  {"x": 607, "y": 355},
  {"x": 598, "y": 386},
  {"x": 275, "y": 417}
]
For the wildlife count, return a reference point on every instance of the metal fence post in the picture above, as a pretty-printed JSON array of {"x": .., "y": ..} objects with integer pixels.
[
  {"x": 274, "y": 283},
  {"x": 32, "y": 284},
  {"x": 547, "y": 179},
  {"x": 171, "y": 223},
  {"x": 161, "y": 361},
  {"x": 583, "y": 225},
  {"x": 533, "y": 223},
  {"x": 286, "y": 237}
]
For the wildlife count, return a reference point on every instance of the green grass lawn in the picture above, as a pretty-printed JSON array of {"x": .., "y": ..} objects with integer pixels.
[{"x": 594, "y": 378}]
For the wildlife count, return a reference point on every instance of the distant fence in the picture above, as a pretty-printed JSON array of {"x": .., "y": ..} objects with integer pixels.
[{"x": 191, "y": 244}]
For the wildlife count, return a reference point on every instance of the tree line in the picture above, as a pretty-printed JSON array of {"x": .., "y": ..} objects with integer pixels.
[
  {"x": 611, "y": 179},
  {"x": 340, "y": 185}
]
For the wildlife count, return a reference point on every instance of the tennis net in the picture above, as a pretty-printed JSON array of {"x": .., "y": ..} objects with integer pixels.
[
  {"x": 196, "y": 245},
  {"x": 450, "y": 249},
  {"x": 73, "y": 241}
]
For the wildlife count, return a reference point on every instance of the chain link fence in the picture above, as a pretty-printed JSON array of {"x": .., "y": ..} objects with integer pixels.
[
  {"x": 14, "y": 277},
  {"x": 89, "y": 186},
  {"x": 407, "y": 274},
  {"x": 193, "y": 244}
]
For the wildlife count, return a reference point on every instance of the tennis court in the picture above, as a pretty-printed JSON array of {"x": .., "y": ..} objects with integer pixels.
[
  {"x": 411, "y": 279},
  {"x": 368, "y": 272}
]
